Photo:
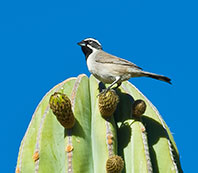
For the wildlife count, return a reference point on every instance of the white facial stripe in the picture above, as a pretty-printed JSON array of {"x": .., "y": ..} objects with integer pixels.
[
  {"x": 92, "y": 40},
  {"x": 92, "y": 48}
]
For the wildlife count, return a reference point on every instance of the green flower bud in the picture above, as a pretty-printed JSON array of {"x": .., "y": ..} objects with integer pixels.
[
  {"x": 108, "y": 103},
  {"x": 62, "y": 109},
  {"x": 139, "y": 107},
  {"x": 114, "y": 164}
]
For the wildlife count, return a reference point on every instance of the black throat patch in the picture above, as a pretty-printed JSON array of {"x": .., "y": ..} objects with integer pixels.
[{"x": 87, "y": 51}]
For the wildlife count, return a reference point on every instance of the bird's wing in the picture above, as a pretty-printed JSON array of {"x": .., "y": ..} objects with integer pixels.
[{"x": 103, "y": 57}]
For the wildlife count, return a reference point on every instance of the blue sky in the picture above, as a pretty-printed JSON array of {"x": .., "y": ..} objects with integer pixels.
[{"x": 38, "y": 50}]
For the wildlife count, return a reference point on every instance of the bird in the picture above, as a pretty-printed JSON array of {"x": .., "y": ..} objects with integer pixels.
[{"x": 110, "y": 69}]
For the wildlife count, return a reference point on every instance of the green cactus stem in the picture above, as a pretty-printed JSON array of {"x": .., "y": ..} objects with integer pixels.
[{"x": 145, "y": 143}]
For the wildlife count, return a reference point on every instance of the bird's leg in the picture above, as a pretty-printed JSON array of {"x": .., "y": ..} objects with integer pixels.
[
  {"x": 114, "y": 82},
  {"x": 118, "y": 84}
]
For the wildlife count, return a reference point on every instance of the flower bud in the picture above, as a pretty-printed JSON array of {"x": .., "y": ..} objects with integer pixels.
[
  {"x": 107, "y": 103},
  {"x": 139, "y": 107},
  {"x": 114, "y": 164},
  {"x": 62, "y": 109}
]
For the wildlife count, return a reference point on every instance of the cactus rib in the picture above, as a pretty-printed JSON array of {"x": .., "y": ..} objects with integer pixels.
[
  {"x": 69, "y": 131},
  {"x": 146, "y": 147}
]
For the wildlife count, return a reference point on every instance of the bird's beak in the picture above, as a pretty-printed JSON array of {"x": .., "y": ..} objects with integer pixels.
[{"x": 82, "y": 43}]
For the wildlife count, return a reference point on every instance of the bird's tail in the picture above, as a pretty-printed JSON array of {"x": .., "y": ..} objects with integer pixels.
[{"x": 158, "y": 77}]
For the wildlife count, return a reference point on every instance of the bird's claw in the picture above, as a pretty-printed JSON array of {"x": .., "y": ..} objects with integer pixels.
[{"x": 104, "y": 91}]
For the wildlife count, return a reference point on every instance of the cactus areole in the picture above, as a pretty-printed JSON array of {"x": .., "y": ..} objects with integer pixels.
[{"x": 75, "y": 130}]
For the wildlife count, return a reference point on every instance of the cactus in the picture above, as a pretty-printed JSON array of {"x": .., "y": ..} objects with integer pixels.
[{"x": 129, "y": 136}]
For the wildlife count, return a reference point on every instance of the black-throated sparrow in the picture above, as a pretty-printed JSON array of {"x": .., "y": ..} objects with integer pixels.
[{"x": 111, "y": 69}]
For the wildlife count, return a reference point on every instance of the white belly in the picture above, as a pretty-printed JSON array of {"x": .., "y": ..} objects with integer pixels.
[{"x": 101, "y": 71}]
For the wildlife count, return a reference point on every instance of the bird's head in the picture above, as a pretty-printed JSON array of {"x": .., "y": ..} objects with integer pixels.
[{"x": 90, "y": 43}]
